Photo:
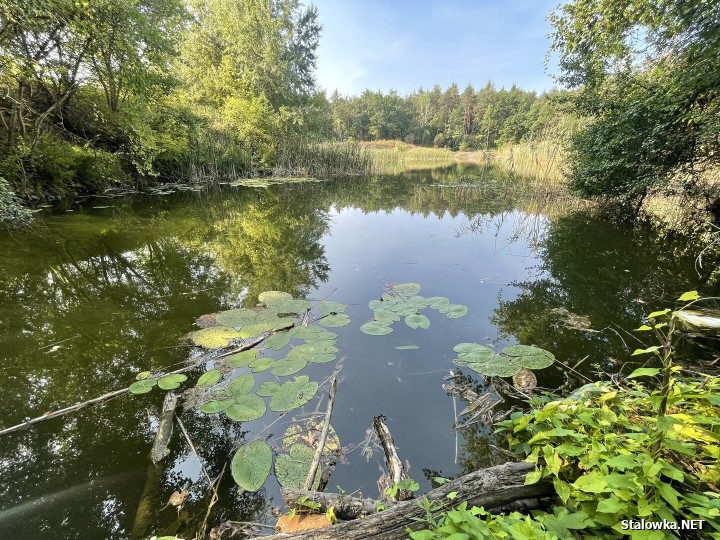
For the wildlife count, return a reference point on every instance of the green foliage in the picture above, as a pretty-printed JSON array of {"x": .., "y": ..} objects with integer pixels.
[
  {"x": 12, "y": 212},
  {"x": 408, "y": 484},
  {"x": 612, "y": 457}
]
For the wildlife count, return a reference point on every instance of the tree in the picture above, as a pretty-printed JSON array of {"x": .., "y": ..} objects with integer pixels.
[{"x": 649, "y": 81}]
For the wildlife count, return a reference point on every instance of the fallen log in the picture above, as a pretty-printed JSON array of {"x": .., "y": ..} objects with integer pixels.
[
  {"x": 165, "y": 428},
  {"x": 490, "y": 488},
  {"x": 394, "y": 465},
  {"x": 345, "y": 506}
]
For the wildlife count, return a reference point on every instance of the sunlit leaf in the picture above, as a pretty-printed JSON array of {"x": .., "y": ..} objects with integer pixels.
[
  {"x": 655, "y": 314},
  {"x": 172, "y": 381},
  {"x": 328, "y": 306},
  {"x": 291, "y": 469},
  {"x": 417, "y": 321},
  {"x": 251, "y": 465},
  {"x": 209, "y": 377},
  {"x": 216, "y": 337},
  {"x": 247, "y": 407},
  {"x": 267, "y": 388},
  {"x": 236, "y": 317},
  {"x": 690, "y": 295},
  {"x": 266, "y": 296},
  {"x": 644, "y": 372},
  {"x": 652, "y": 349},
  {"x": 142, "y": 375},
  {"x": 375, "y": 328},
  {"x": 335, "y": 321},
  {"x": 143, "y": 386},
  {"x": 293, "y": 394},
  {"x": 261, "y": 364},
  {"x": 243, "y": 358},
  {"x": 527, "y": 356},
  {"x": 241, "y": 385}
]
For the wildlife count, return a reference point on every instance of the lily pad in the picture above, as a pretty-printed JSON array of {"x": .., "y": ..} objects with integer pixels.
[
  {"x": 308, "y": 433},
  {"x": 320, "y": 337},
  {"x": 498, "y": 367},
  {"x": 267, "y": 388},
  {"x": 243, "y": 358},
  {"x": 236, "y": 317},
  {"x": 436, "y": 302},
  {"x": 172, "y": 381},
  {"x": 318, "y": 352},
  {"x": 417, "y": 321},
  {"x": 216, "y": 406},
  {"x": 476, "y": 353},
  {"x": 377, "y": 304},
  {"x": 251, "y": 465},
  {"x": 283, "y": 368},
  {"x": 328, "y": 306},
  {"x": 143, "y": 386},
  {"x": 241, "y": 385},
  {"x": 278, "y": 341},
  {"x": 386, "y": 315},
  {"x": 143, "y": 375},
  {"x": 526, "y": 356},
  {"x": 289, "y": 305},
  {"x": 247, "y": 407},
  {"x": 293, "y": 394},
  {"x": 261, "y": 364},
  {"x": 406, "y": 290},
  {"x": 292, "y": 469},
  {"x": 335, "y": 321},
  {"x": 216, "y": 337},
  {"x": 209, "y": 377},
  {"x": 305, "y": 332},
  {"x": 376, "y": 328},
  {"x": 419, "y": 302},
  {"x": 454, "y": 311}
]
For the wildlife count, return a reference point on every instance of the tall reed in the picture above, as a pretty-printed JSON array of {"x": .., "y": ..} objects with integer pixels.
[{"x": 321, "y": 160}]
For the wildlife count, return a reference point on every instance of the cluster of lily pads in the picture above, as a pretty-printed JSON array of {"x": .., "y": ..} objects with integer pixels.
[
  {"x": 146, "y": 382},
  {"x": 402, "y": 300},
  {"x": 507, "y": 363}
]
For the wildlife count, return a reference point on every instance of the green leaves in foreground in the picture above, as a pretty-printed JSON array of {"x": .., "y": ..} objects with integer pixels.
[
  {"x": 402, "y": 301},
  {"x": 251, "y": 465},
  {"x": 507, "y": 363}
]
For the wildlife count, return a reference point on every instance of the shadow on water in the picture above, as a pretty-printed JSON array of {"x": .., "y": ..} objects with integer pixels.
[{"x": 89, "y": 298}]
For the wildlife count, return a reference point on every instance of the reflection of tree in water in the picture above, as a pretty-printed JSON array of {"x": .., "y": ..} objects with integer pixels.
[{"x": 609, "y": 273}]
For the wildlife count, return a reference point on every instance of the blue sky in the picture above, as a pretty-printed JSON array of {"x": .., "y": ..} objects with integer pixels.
[{"x": 404, "y": 45}]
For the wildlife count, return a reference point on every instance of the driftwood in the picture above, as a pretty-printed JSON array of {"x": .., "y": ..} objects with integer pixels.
[
  {"x": 323, "y": 435},
  {"x": 115, "y": 393},
  {"x": 162, "y": 438},
  {"x": 345, "y": 506},
  {"x": 490, "y": 488},
  {"x": 394, "y": 465}
]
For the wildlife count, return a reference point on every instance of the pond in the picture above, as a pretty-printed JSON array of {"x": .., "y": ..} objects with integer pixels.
[{"x": 102, "y": 289}]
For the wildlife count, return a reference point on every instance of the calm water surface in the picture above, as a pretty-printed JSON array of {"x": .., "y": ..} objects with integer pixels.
[{"x": 90, "y": 297}]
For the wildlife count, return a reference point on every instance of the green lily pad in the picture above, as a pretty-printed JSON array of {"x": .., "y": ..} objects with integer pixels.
[
  {"x": 335, "y": 321},
  {"x": 247, "y": 407},
  {"x": 266, "y": 296},
  {"x": 377, "y": 304},
  {"x": 320, "y": 337},
  {"x": 419, "y": 302},
  {"x": 283, "y": 368},
  {"x": 258, "y": 328},
  {"x": 251, "y": 465},
  {"x": 308, "y": 433},
  {"x": 318, "y": 352},
  {"x": 172, "y": 381},
  {"x": 386, "y": 315},
  {"x": 288, "y": 305},
  {"x": 216, "y": 337},
  {"x": 376, "y": 328},
  {"x": 267, "y": 388},
  {"x": 491, "y": 365},
  {"x": 261, "y": 364},
  {"x": 305, "y": 332},
  {"x": 216, "y": 406},
  {"x": 293, "y": 394},
  {"x": 291, "y": 469},
  {"x": 209, "y": 377},
  {"x": 454, "y": 311},
  {"x": 142, "y": 375},
  {"x": 241, "y": 385},
  {"x": 328, "y": 306},
  {"x": 406, "y": 290},
  {"x": 436, "y": 302},
  {"x": 526, "y": 356},
  {"x": 417, "y": 321},
  {"x": 143, "y": 386},
  {"x": 277, "y": 341},
  {"x": 243, "y": 358},
  {"x": 236, "y": 318}
]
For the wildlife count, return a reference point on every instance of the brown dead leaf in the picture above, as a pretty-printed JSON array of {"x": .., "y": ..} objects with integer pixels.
[
  {"x": 525, "y": 381},
  {"x": 206, "y": 321},
  {"x": 178, "y": 498},
  {"x": 301, "y": 522}
]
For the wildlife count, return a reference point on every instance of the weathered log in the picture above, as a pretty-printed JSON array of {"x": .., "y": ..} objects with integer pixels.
[
  {"x": 323, "y": 435},
  {"x": 165, "y": 428},
  {"x": 703, "y": 322},
  {"x": 345, "y": 506},
  {"x": 489, "y": 488},
  {"x": 394, "y": 465}
]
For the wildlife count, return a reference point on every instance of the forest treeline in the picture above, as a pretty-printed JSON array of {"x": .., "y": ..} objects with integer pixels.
[{"x": 103, "y": 92}]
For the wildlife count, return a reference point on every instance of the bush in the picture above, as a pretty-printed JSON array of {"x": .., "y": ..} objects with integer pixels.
[{"x": 12, "y": 212}]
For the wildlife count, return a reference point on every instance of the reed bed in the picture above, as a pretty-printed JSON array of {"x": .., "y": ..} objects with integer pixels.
[
  {"x": 540, "y": 161},
  {"x": 321, "y": 160},
  {"x": 393, "y": 157}
]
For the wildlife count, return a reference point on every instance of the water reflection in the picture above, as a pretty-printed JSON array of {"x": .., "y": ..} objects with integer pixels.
[{"x": 91, "y": 297}]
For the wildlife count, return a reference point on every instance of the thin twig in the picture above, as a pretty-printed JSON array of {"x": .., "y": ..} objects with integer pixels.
[
  {"x": 213, "y": 500},
  {"x": 323, "y": 435},
  {"x": 192, "y": 447}
]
